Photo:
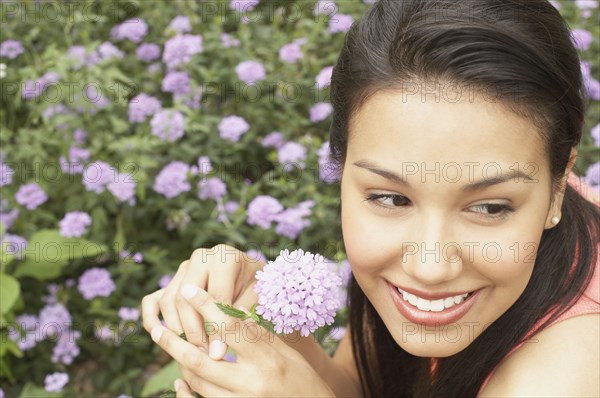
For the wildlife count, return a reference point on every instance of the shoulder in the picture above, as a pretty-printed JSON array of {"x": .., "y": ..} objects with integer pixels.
[{"x": 562, "y": 360}]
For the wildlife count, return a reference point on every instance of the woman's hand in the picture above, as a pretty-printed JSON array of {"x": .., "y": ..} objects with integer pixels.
[
  {"x": 265, "y": 365},
  {"x": 225, "y": 272}
]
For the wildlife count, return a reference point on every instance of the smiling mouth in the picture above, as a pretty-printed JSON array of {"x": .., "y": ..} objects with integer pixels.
[{"x": 433, "y": 305}]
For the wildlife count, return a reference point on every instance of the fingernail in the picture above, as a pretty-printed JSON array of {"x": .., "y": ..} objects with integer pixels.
[
  {"x": 216, "y": 349},
  {"x": 188, "y": 291},
  {"x": 156, "y": 333},
  {"x": 177, "y": 385}
]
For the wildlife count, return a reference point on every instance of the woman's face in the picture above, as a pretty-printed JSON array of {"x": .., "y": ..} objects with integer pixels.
[{"x": 442, "y": 199}]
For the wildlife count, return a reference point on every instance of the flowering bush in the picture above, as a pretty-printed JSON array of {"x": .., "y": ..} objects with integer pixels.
[{"x": 134, "y": 132}]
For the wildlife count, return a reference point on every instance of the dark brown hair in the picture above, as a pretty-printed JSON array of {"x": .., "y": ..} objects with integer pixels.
[{"x": 522, "y": 51}]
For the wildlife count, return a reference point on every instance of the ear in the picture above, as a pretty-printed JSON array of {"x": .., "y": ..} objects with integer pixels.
[{"x": 557, "y": 200}]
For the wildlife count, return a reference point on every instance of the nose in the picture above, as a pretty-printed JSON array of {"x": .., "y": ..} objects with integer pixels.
[{"x": 433, "y": 257}]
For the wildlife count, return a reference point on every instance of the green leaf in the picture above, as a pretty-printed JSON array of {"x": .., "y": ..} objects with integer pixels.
[
  {"x": 9, "y": 292},
  {"x": 32, "y": 391},
  {"x": 162, "y": 380},
  {"x": 232, "y": 311},
  {"x": 10, "y": 346}
]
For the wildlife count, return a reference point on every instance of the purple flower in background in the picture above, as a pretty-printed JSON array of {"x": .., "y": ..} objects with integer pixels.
[
  {"x": 97, "y": 175},
  {"x": 30, "y": 195},
  {"x": 57, "y": 109},
  {"x": 79, "y": 135},
  {"x": 191, "y": 99},
  {"x": 212, "y": 188},
  {"x": 229, "y": 41},
  {"x": 95, "y": 282},
  {"x": 141, "y": 106},
  {"x": 180, "y": 24},
  {"x": 74, "y": 224},
  {"x": 291, "y": 53},
  {"x": 586, "y": 4},
  {"x": 29, "y": 325},
  {"x": 168, "y": 125},
  {"x": 582, "y": 38},
  {"x": 6, "y": 173},
  {"x": 231, "y": 206},
  {"x": 164, "y": 281},
  {"x": 9, "y": 218},
  {"x": 328, "y": 170},
  {"x": 11, "y": 49},
  {"x": 1, "y": 393},
  {"x": 233, "y": 127},
  {"x": 256, "y": 255},
  {"x": 325, "y": 7},
  {"x": 75, "y": 164},
  {"x": 243, "y": 5},
  {"x": 263, "y": 210},
  {"x": 108, "y": 50},
  {"x": 176, "y": 83},
  {"x": 66, "y": 348},
  {"x": 592, "y": 85},
  {"x": 592, "y": 175},
  {"x": 78, "y": 56},
  {"x": 323, "y": 79},
  {"x": 56, "y": 381},
  {"x": 250, "y": 71},
  {"x": 556, "y": 4},
  {"x": 13, "y": 244},
  {"x": 595, "y": 132},
  {"x": 133, "y": 30},
  {"x": 55, "y": 319},
  {"x": 204, "y": 165},
  {"x": 172, "y": 180},
  {"x": 291, "y": 222},
  {"x": 148, "y": 52},
  {"x": 180, "y": 48},
  {"x": 320, "y": 111},
  {"x": 34, "y": 88},
  {"x": 123, "y": 188},
  {"x": 274, "y": 140},
  {"x": 297, "y": 291},
  {"x": 345, "y": 272},
  {"x": 129, "y": 314},
  {"x": 292, "y": 152},
  {"x": 340, "y": 23},
  {"x": 137, "y": 257}
]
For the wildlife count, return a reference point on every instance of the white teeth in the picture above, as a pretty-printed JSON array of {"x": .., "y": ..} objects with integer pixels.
[{"x": 432, "y": 305}]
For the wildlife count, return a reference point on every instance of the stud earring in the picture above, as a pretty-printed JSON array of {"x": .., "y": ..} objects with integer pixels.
[{"x": 555, "y": 220}]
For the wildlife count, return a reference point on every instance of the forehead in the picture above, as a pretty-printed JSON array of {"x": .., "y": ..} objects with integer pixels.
[{"x": 392, "y": 127}]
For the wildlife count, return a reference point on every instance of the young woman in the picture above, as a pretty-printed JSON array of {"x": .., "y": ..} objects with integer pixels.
[{"x": 474, "y": 260}]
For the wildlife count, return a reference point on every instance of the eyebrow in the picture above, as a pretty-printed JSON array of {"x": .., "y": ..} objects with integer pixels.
[{"x": 475, "y": 186}]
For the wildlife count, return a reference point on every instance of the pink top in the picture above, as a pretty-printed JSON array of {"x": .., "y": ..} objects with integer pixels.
[{"x": 589, "y": 303}]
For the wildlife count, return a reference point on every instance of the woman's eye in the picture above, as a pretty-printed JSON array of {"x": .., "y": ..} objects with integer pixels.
[
  {"x": 493, "y": 210},
  {"x": 387, "y": 200}
]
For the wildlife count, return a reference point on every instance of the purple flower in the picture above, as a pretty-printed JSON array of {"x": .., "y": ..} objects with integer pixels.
[
  {"x": 586, "y": 4},
  {"x": 292, "y": 152},
  {"x": 66, "y": 348},
  {"x": 164, "y": 281},
  {"x": 95, "y": 282},
  {"x": 180, "y": 24},
  {"x": 74, "y": 224},
  {"x": 595, "y": 132},
  {"x": 176, "y": 83},
  {"x": 148, "y": 52},
  {"x": 233, "y": 127},
  {"x": 250, "y": 72},
  {"x": 340, "y": 23},
  {"x": 204, "y": 165},
  {"x": 129, "y": 314},
  {"x": 79, "y": 135},
  {"x": 556, "y": 4},
  {"x": 132, "y": 29},
  {"x": 274, "y": 139},
  {"x": 56, "y": 381},
  {"x": 263, "y": 210},
  {"x": 28, "y": 324},
  {"x": 323, "y": 79},
  {"x": 291, "y": 53},
  {"x": 168, "y": 125},
  {"x": 55, "y": 319},
  {"x": 97, "y": 175},
  {"x": 32, "y": 89},
  {"x": 11, "y": 49},
  {"x": 108, "y": 50},
  {"x": 291, "y": 222},
  {"x": 231, "y": 206},
  {"x": 13, "y": 244},
  {"x": 30, "y": 195},
  {"x": 592, "y": 85},
  {"x": 243, "y": 5},
  {"x": 298, "y": 291},
  {"x": 9, "y": 218},
  {"x": 75, "y": 164},
  {"x": 256, "y": 255},
  {"x": 172, "y": 180},
  {"x": 180, "y": 48},
  {"x": 6, "y": 173},
  {"x": 137, "y": 257},
  {"x": 582, "y": 38},
  {"x": 592, "y": 175},
  {"x": 320, "y": 111},
  {"x": 325, "y": 7},
  {"x": 229, "y": 41},
  {"x": 141, "y": 106},
  {"x": 191, "y": 99},
  {"x": 123, "y": 188},
  {"x": 328, "y": 170},
  {"x": 212, "y": 188}
]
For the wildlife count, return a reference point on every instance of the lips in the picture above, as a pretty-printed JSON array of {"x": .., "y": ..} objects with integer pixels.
[{"x": 442, "y": 310}]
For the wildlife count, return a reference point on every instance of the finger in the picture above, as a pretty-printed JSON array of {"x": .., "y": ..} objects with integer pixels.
[
  {"x": 193, "y": 358},
  {"x": 183, "y": 389},
  {"x": 151, "y": 309},
  {"x": 168, "y": 303},
  {"x": 202, "y": 386},
  {"x": 247, "y": 298},
  {"x": 192, "y": 323}
]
